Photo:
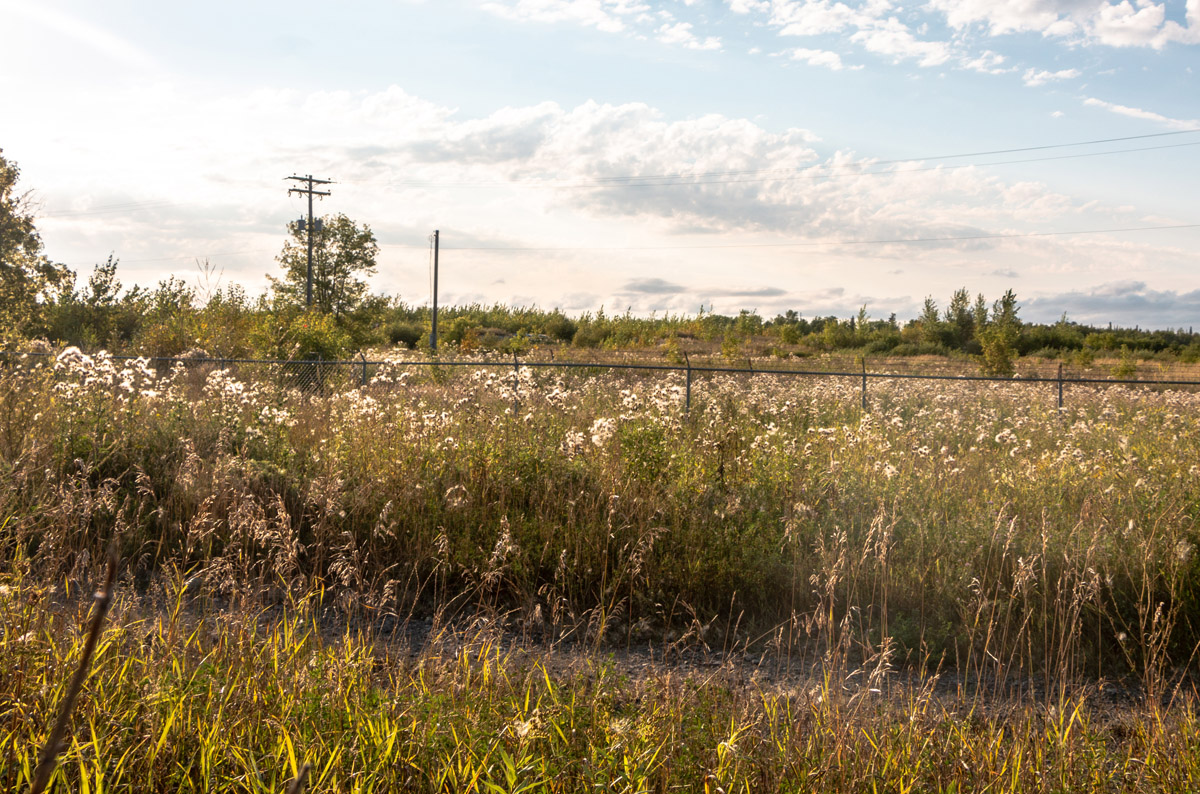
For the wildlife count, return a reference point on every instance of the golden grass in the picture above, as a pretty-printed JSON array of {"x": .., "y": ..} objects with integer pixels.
[{"x": 935, "y": 594}]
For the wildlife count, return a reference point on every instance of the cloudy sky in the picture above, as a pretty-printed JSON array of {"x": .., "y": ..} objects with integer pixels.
[{"x": 816, "y": 155}]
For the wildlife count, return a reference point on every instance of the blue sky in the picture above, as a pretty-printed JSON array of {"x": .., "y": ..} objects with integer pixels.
[{"x": 653, "y": 156}]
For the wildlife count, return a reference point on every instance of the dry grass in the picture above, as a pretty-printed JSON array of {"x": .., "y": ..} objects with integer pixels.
[{"x": 932, "y": 595}]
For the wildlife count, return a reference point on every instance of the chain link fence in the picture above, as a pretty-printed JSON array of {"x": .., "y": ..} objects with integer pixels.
[{"x": 318, "y": 376}]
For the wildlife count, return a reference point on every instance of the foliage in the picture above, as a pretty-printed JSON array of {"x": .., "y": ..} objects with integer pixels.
[
  {"x": 728, "y": 506},
  {"x": 305, "y": 335},
  {"x": 342, "y": 254},
  {"x": 175, "y": 317},
  {"x": 284, "y": 549},
  {"x": 999, "y": 335},
  {"x": 188, "y": 697},
  {"x": 28, "y": 280},
  {"x": 1126, "y": 368}
]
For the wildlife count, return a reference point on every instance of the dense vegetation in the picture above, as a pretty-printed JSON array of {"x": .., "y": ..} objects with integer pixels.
[
  {"x": 492, "y": 579},
  {"x": 974, "y": 531},
  {"x": 42, "y": 300},
  {"x": 174, "y": 317}
]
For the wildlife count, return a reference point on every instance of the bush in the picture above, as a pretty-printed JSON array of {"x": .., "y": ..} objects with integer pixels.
[
  {"x": 1126, "y": 368},
  {"x": 920, "y": 349},
  {"x": 560, "y": 327},
  {"x": 998, "y": 350},
  {"x": 407, "y": 334},
  {"x": 1084, "y": 357},
  {"x": 588, "y": 336},
  {"x": 301, "y": 336},
  {"x": 883, "y": 346}
]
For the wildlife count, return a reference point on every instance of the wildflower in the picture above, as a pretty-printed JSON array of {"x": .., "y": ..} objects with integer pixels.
[
  {"x": 456, "y": 497},
  {"x": 603, "y": 429},
  {"x": 573, "y": 443}
]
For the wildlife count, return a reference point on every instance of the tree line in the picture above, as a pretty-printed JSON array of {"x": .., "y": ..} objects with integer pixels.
[{"x": 43, "y": 300}]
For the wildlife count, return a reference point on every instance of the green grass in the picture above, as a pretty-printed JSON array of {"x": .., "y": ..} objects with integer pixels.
[{"x": 185, "y": 700}]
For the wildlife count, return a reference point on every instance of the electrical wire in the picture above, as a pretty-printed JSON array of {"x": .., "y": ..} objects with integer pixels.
[
  {"x": 755, "y": 175},
  {"x": 955, "y": 156},
  {"x": 814, "y": 243},
  {"x": 105, "y": 209},
  {"x": 181, "y": 257}
]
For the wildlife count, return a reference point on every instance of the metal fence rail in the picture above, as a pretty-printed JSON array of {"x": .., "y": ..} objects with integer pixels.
[{"x": 318, "y": 375}]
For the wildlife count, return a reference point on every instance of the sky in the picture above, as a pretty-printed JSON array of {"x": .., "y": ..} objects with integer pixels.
[{"x": 813, "y": 155}]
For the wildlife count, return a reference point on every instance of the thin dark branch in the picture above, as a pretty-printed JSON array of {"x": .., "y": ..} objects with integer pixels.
[
  {"x": 54, "y": 745},
  {"x": 297, "y": 785}
]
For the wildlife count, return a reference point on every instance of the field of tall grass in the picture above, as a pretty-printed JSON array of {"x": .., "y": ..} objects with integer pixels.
[{"x": 960, "y": 587}]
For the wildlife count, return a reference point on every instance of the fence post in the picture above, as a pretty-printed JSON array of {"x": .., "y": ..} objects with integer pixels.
[
  {"x": 1060, "y": 386},
  {"x": 687, "y": 400},
  {"x": 363, "y": 379},
  {"x": 863, "y": 360},
  {"x": 320, "y": 374}
]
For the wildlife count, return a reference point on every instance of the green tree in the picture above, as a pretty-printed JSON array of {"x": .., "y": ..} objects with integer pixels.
[
  {"x": 342, "y": 254},
  {"x": 960, "y": 318},
  {"x": 27, "y": 278},
  {"x": 999, "y": 336},
  {"x": 930, "y": 322}
]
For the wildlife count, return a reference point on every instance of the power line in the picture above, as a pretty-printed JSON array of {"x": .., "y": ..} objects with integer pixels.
[
  {"x": 132, "y": 206},
  {"x": 814, "y": 243},
  {"x": 803, "y": 244},
  {"x": 794, "y": 174},
  {"x": 716, "y": 177},
  {"x": 955, "y": 156},
  {"x": 181, "y": 257}
]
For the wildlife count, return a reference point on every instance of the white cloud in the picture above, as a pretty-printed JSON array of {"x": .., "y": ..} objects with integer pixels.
[
  {"x": 865, "y": 23},
  {"x": 1012, "y": 16},
  {"x": 987, "y": 62},
  {"x": 816, "y": 17},
  {"x": 681, "y": 33},
  {"x": 893, "y": 38},
  {"x": 1141, "y": 23},
  {"x": 1034, "y": 77},
  {"x": 1139, "y": 113},
  {"x": 825, "y": 58},
  {"x": 606, "y": 15},
  {"x": 612, "y": 16},
  {"x": 709, "y": 174},
  {"x": 536, "y": 175},
  {"x": 746, "y": 6}
]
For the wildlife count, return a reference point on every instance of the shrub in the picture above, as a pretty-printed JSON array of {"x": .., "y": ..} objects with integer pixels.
[
  {"x": 588, "y": 336},
  {"x": 407, "y": 334},
  {"x": 1126, "y": 368}
]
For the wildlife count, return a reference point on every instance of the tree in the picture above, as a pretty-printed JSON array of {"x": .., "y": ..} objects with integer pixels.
[
  {"x": 342, "y": 254},
  {"x": 960, "y": 318},
  {"x": 999, "y": 336},
  {"x": 930, "y": 322},
  {"x": 27, "y": 278}
]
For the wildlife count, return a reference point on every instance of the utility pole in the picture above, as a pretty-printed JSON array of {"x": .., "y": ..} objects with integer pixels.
[
  {"x": 309, "y": 226},
  {"x": 433, "y": 332}
]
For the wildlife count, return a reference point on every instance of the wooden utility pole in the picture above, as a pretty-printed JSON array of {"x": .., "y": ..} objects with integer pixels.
[
  {"x": 309, "y": 226},
  {"x": 433, "y": 331}
]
